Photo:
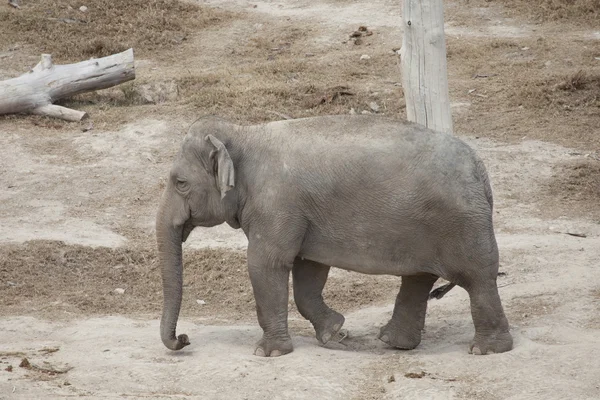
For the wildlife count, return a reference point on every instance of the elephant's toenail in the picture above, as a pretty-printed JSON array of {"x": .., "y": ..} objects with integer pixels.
[
  {"x": 275, "y": 353},
  {"x": 259, "y": 352},
  {"x": 385, "y": 338},
  {"x": 336, "y": 327},
  {"x": 326, "y": 337},
  {"x": 477, "y": 351}
]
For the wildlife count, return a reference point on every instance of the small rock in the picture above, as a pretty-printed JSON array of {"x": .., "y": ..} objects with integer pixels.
[
  {"x": 66, "y": 383},
  {"x": 524, "y": 48},
  {"x": 352, "y": 111},
  {"x": 415, "y": 374},
  {"x": 355, "y": 34},
  {"x": 119, "y": 291},
  {"x": 391, "y": 379},
  {"x": 365, "y": 112},
  {"x": 374, "y": 106},
  {"x": 83, "y": 9},
  {"x": 365, "y": 57},
  {"x": 25, "y": 363},
  {"x": 9, "y": 368},
  {"x": 362, "y": 28},
  {"x": 9, "y": 283},
  {"x": 201, "y": 302}
]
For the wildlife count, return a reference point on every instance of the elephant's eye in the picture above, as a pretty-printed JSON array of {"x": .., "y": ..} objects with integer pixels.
[{"x": 182, "y": 184}]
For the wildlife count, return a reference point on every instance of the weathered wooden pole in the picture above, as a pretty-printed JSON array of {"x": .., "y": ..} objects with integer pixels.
[{"x": 423, "y": 64}]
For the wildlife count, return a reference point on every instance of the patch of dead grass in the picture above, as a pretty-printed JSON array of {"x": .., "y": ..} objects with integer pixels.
[
  {"x": 527, "y": 88},
  {"x": 50, "y": 278},
  {"x": 580, "y": 90},
  {"x": 297, "y": 87},
  {"x": 59, "y": 28},
  {"x": 556, "y": 10},
  {"x": 575, "y": 11},
  {"x": 279, "y": 70},
  {"x": 575, "y": 187}
]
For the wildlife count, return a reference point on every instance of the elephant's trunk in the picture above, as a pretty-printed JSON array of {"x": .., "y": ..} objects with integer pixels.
[{"x": 169, "y": 237}]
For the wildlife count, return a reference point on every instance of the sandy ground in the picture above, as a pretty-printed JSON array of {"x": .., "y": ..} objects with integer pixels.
[{"x": 101, "y": 187}]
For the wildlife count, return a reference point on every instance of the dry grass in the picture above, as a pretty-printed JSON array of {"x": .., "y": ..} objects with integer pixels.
[
  {"x": 541, "y": 88},
  {"x": 290, "y": 88},
  {"x": 59, "y": 28},
  {"x": 575, "y": 187},
  {"x": 50, "y": 278},
  {"x": 281, "y": 71},
  {"x": 580, "y": 90},
  {"x": 576, "y": 11}
]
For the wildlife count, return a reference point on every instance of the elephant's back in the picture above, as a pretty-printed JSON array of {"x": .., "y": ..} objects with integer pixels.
[
  {"x": 374, "y": 160},
  {"x": 368, "y": 142},
  {"x": 359, "y": 134}
]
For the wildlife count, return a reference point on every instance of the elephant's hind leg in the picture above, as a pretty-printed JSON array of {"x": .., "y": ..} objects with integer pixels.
[
  {"x": 476, "y": 270},
  {"x": 309, "y": 280},
  {"x": 408, "y": 319},
  {"x": 491, "y": 326}
]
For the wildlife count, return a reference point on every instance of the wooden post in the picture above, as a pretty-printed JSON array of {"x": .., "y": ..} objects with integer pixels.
[
  {"x": 423, "y": 63},
  {"x": 35, "y": 91}
]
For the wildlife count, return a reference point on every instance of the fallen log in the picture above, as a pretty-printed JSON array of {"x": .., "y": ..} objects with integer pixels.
[{"x": 35, "y": 91}]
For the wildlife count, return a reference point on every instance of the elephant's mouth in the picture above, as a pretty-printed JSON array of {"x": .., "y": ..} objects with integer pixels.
[{"x": 188, "y": 227}]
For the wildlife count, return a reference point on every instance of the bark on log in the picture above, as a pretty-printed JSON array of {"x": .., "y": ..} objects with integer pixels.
[
  {"x": 35, "y": 91},
  {"x": 424, "y": 70}
]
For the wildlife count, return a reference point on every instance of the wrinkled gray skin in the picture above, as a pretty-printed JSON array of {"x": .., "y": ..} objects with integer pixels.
[{"x": 360, "y": 193}]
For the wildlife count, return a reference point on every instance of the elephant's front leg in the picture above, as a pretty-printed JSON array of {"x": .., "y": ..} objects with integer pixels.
[
  {"x": 270, "y": 285},
  {"x": 309, "y": 281}
]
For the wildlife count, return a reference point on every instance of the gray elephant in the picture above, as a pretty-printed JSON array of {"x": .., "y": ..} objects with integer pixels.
[{"x": 362, "y": 193}]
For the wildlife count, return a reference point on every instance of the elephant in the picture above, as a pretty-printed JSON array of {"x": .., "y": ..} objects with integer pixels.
[{"x": 363, "y": 193}]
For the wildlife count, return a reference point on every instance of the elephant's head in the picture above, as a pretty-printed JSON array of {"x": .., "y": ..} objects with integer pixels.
[{"x": 198, "y": 193}]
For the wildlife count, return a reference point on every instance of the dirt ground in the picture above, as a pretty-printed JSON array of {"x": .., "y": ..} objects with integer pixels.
[{"x": 80, "y": 293}]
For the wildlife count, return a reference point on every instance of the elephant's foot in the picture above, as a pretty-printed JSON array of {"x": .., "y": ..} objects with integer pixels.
[
  {"x": 329, "y": 327},
  {"x": 269, "y": 347},
  {"x": 490, "y": 344},
  {"x": 401, "y": 338}
]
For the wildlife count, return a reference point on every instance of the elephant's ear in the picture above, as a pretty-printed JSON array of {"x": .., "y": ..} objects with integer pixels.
[{"x": 224, "y": 174}]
